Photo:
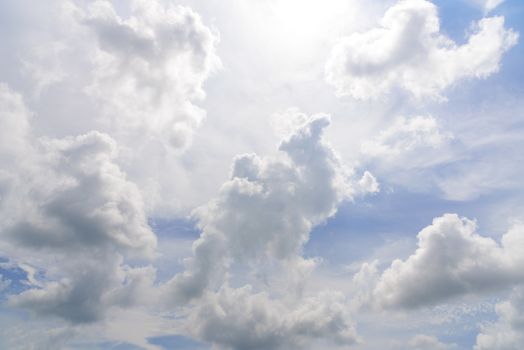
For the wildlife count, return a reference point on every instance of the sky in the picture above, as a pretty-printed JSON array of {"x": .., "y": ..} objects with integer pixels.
[{"x": 262, "y": 174}]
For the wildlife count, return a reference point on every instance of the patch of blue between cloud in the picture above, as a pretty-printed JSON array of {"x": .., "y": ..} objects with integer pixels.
[
  {"x": 366, "y": 224},
  {"x": 456, "y": 322},
  {"x": 463, "y": 330},
  {"x": 455, "y": 20},
  {"x": 177, "y": 342},
  {"x": 16, "y": 277},
  {"x": 174, "y": 228}
]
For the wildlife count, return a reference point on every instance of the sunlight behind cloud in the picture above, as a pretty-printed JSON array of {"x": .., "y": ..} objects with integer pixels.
[
  {"x": 146, "y": 203},
  {"x": 306, "y": 25}
]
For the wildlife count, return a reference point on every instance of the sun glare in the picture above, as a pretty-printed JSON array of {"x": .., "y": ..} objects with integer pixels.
[{"x": 306, "y": 20}]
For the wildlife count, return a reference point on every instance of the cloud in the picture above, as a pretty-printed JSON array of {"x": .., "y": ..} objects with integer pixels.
[
  {"x": 15, "y": 120},
  {"x": 149, "y": 68},
  {"x": 508, "y": 331},
  {"x": 134, "y": 71},
  {"x": 23, "y": 338},
  {"x": 268, "y": 207},
  {"x": 451, "y": 260},
  {"x": 368, "y": 183},
  {"x": 489, "y": 164},
  {"x": 240, "y": 319},
  {"x": 78, "y": 299},
  {"x": 58, "y": 214},
  {"x": 412, "y": 151},
  {"x": 408, "y": 52},
  {"x": 426, "y": 342},
  {"x": 492, "y": 4},
  {"x": 406, "y": 135},
  {"x": 70, "y": 208},
  {"x": 259, "y": 222},
  {"x": 80, "y": 210},
  {"x": 488, "y": 5}
]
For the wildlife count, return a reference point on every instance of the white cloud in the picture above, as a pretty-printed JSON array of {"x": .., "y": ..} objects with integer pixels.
[
  {"x": 407, "y": 51},
  {"x": 31, "y": 273},
  {"x": 260, "y": 221},
  {"x": 134, "y": 71},
  {"x": 149, "y": 68},
  {"x": 268, "y": 208},
  {"x": 147, "y": 79},
  {"x": 368, "y": 183},
  {"x": 492, "y": 4},
  {"x": 59, "y": 215},
  {"x": 488, "y": 5},
  {"x": 409, "y": 152},
  {"x": 451, "y": 260},
  {"x": 74, "y": 209},
  {"x": 407, "y": 135},
  {"x": 15, "y": 119},
  {"x": 82, "y": 212},
  {"x": 507, "y": 333},
  {"x": 489, "y": 164}
]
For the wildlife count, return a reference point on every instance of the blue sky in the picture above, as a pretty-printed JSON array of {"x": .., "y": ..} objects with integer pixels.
[{"x": 273, "y": 174}]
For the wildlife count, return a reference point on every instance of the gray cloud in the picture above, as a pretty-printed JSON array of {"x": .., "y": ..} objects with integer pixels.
[
  {"x": 87, "y": 202},
  {"x": 71, "y": 209},
  {"x": 240, "y": 319}
]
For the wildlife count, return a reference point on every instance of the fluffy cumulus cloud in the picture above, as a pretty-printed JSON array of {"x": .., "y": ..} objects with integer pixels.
[
  {"x": 508, "y": 332},
  {"x": 268, "y": 207},
  {"x": 73, "y": 205},
  {"x": 451, "y": 260},
  {"x": 134, "y": 71},
  {"x": 100, "y": 107},
  {"x": 408, "y": 52},
  {"x": 263, "y": 216},
  {"x": 240, "y": 319},
  {"x": 58, "y": 214},
  {"x": 149, "y": 68},
  {"x": 70, "y": 203}
]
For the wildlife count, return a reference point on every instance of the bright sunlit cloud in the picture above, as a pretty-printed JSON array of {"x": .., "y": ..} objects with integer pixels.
[
  {"x": 303, "y": 27},
  {"x": 261, "y": 174},
  {"x": 303, "y": 20}
]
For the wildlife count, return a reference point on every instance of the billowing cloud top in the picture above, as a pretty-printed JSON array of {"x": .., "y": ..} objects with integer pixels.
[
  {"x": 264, "y": 215},
  {"x": 452, "y": 260},
  {"x": 408, "y": 52},
  {"x": 130, "y": 219},
  {"x": 150, "y": 66},
  {"x": 69, "y": 202}
]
